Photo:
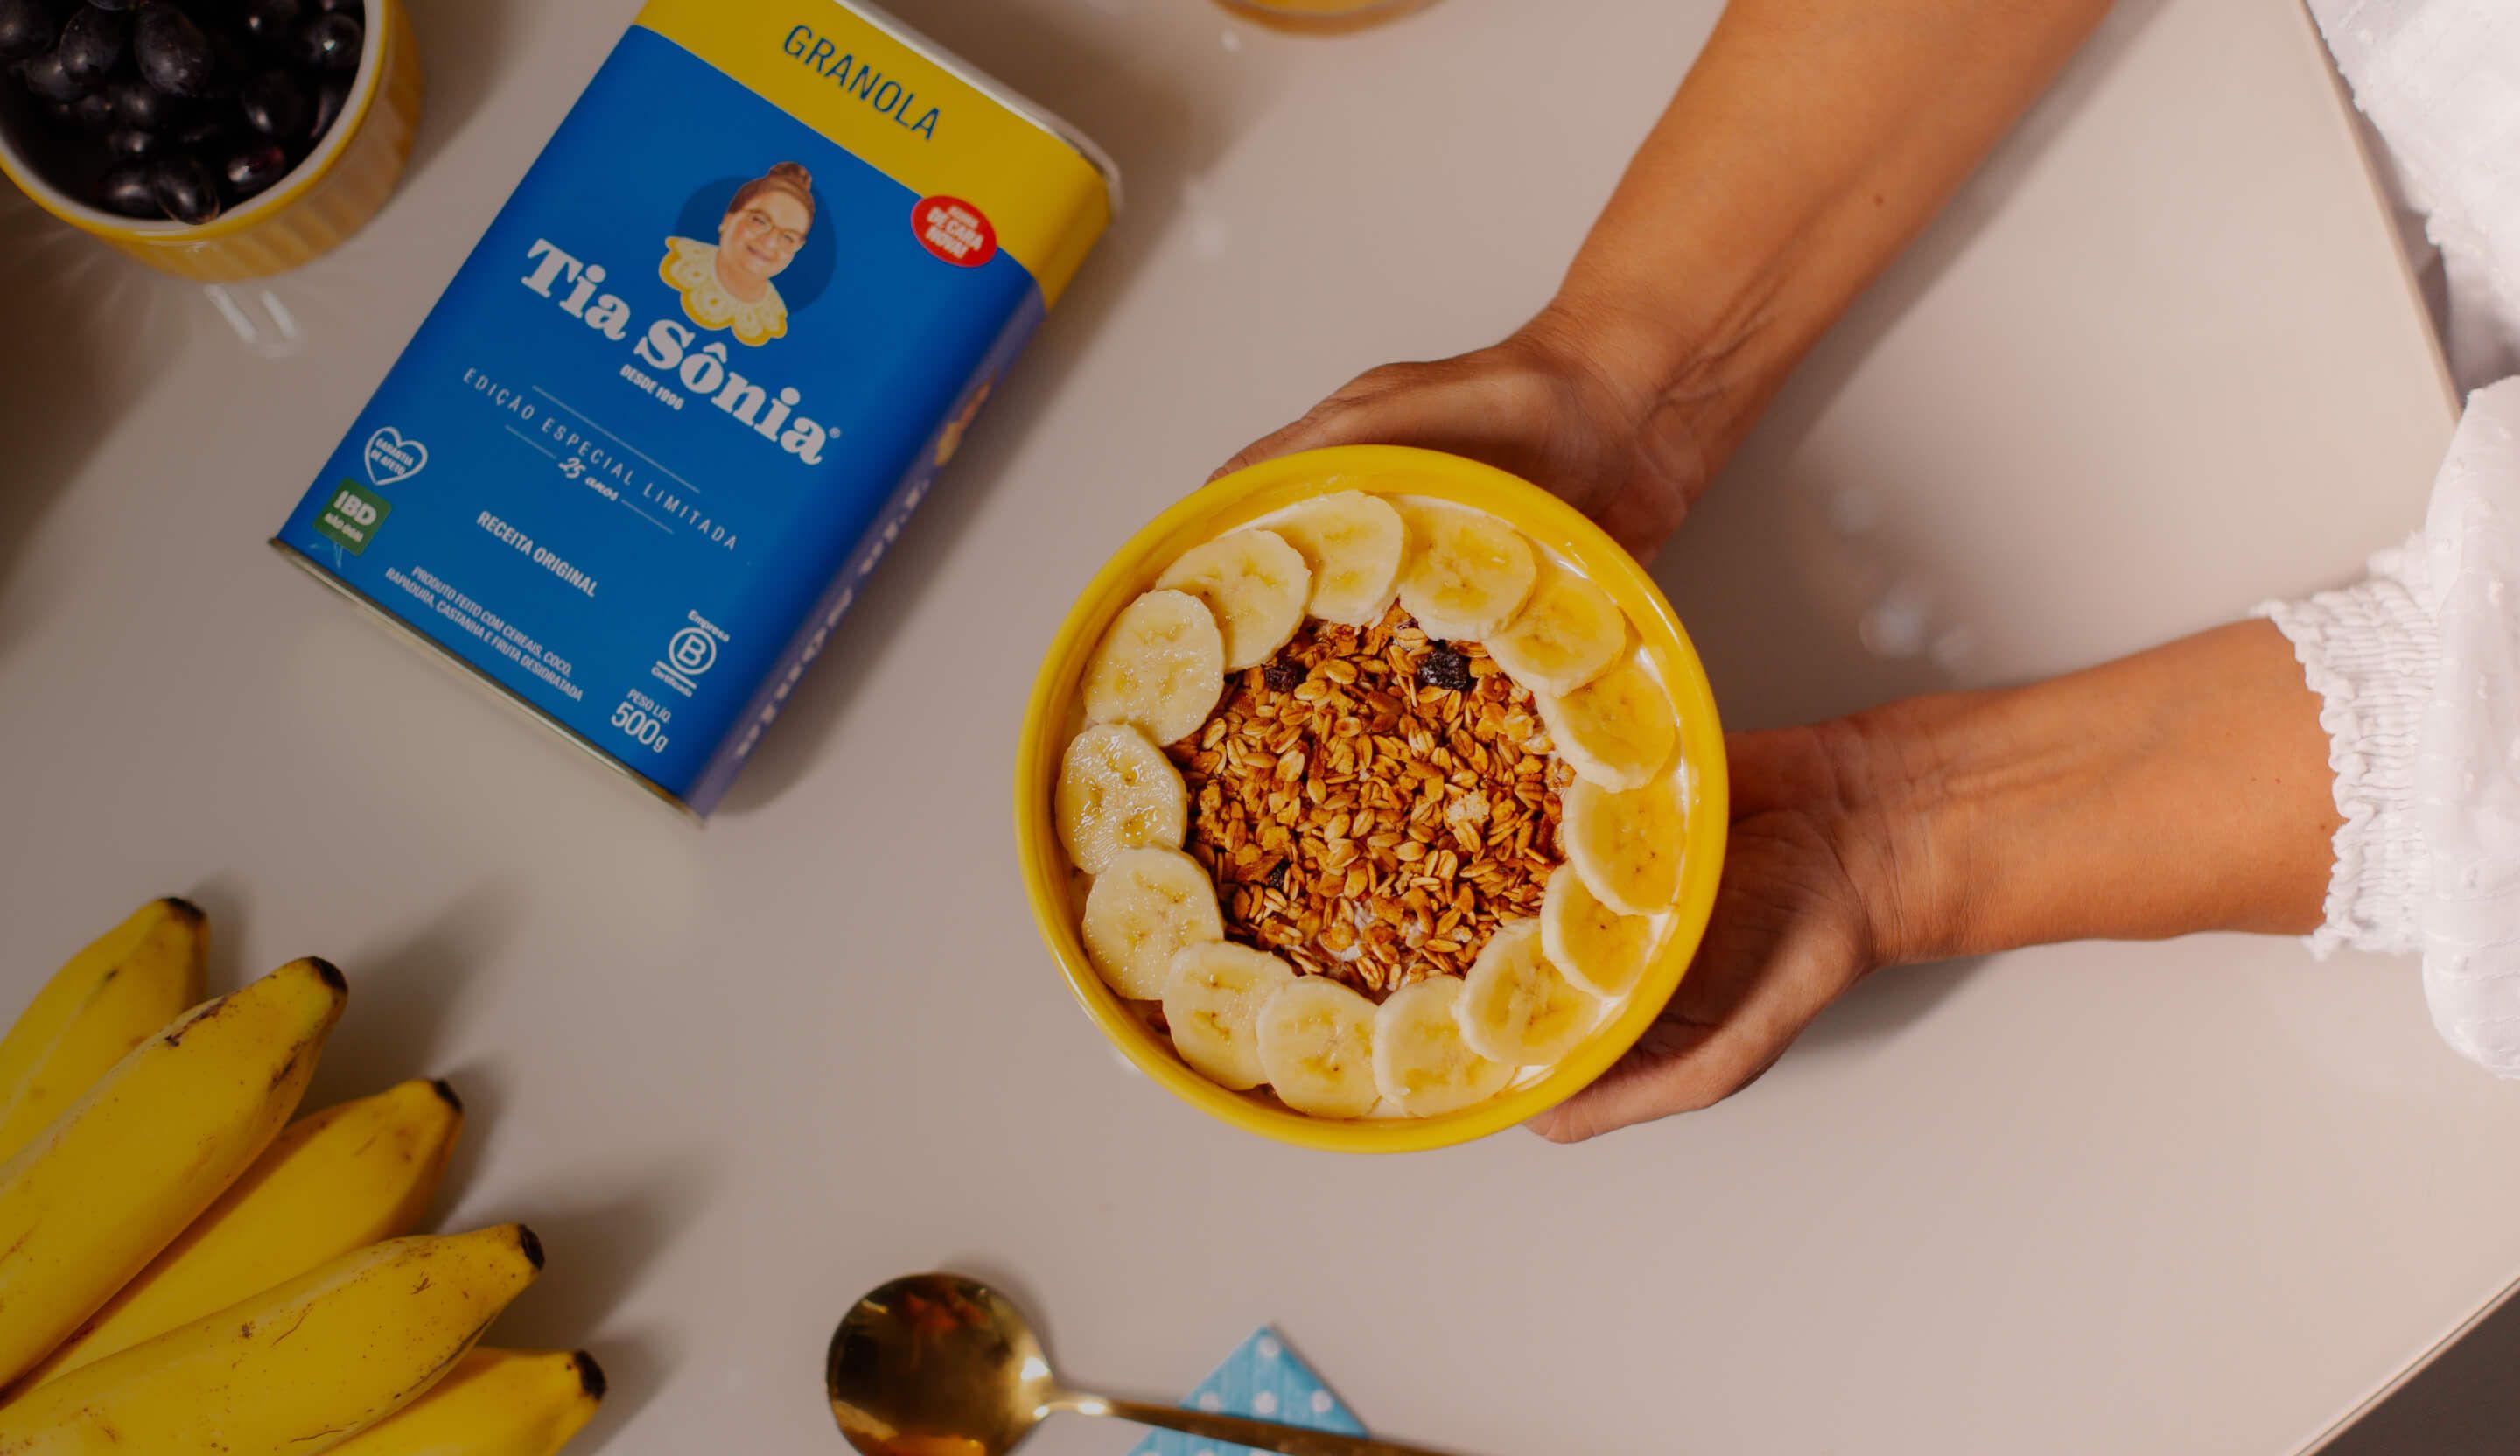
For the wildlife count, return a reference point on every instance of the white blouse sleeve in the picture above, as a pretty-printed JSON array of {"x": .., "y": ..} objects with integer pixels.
[{"x": 2418, "y": 669}]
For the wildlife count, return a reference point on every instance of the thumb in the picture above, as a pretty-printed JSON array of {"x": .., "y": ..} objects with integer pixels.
[
  {"x": 1397, "y": 404},
  {"x": 1682, "y": 1066}
]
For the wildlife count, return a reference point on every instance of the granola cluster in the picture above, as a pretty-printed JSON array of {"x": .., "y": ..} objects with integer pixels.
[{"x": 1371, "y": 803}]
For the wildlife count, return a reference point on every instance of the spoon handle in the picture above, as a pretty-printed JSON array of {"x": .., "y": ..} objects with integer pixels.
[{"x": 1265, "y": 1436}]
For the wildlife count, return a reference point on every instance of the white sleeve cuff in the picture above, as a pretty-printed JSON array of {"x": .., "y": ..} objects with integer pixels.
[
  {"x": 2417, "y": 670},
  {"x": 2468, "y": 771},
  {"x": 2370, "y": 652}
]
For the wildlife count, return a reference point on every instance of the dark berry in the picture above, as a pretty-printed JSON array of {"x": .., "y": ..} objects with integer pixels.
[
  {"x": 185, "y": 187},
  {"x": 1282, "y": 677},
  {"x": 113, "y": 3},
  {"x": 1445, "y": 668},
  {"x": 129, "y": 190},
  {"x": 46, "y": 77},
  {"x": 27, "y": 29},
  {"x": 92, "y": 114},
  {"x": 275, "y": 103},
  {"x": 136, "y": 102},
  {"x": 355, "y": 8},
  {"x": 329, "y": 98},
  {"x": 271, "y": 23},
  {"x": 231, "y": 62},
  {"x": 131, "y": 144},
  {"x": 174, "y": 54},
  {"x": 93, "y": 43},
  {"x": 206, "y": 131},
  {"x": 329, "y": 42},
  {"x": 255, "y": 168}
]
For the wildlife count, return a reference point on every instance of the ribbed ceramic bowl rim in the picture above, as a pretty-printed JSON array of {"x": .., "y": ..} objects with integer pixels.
[
  {"x": 1257, "y": 492},
  {"x": 1302, "y": 12},
  {"x": 291, "y": 186}
]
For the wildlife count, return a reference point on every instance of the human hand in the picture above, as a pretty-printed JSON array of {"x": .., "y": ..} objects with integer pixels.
[
  {"x": 2180, "y": 790},
  {"x": 1819, "y": 875},
  {"x": 1743, "y": 226},
  {"x": 1556, "y": 404}
]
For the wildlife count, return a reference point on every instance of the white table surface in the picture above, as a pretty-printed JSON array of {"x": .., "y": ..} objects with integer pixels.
[{"x": 2158, "y": 362}]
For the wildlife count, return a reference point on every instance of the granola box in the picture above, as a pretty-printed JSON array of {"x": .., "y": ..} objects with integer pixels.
[{"x": 706, "y": 361}]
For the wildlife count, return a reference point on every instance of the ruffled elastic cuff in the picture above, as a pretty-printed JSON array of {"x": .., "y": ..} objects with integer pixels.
[{"x": 2370, "y": 652}]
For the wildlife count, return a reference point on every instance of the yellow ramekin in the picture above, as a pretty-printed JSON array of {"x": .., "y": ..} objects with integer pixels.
[
  {"x": 1324, "y": 17},
  {"x": 1236, "y": 500},
  {"x": 304, "y": 214}
]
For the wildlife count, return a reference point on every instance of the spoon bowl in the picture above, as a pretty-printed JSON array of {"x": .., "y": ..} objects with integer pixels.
[
  {"x": 935, "y": 1364},
  {"x": 941, "y": 1365}
]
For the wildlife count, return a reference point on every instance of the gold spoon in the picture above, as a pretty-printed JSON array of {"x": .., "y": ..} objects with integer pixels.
[{"x": 940, "y": 1365}]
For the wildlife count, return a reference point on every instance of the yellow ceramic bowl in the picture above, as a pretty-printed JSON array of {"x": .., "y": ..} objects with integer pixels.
[
  {"x": 321, "y": 202},
  {"x": 1236, "y": 500},
  {"x": 1324, "y": 17}
]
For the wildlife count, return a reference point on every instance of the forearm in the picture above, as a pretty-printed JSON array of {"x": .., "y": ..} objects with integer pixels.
[
  {"x": 1810, "y": 142},
  {"x": 2184, "y": 788}
]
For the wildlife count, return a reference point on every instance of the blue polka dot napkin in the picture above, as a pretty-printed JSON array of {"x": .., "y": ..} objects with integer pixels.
[{"x": 1262, "y": 1379}]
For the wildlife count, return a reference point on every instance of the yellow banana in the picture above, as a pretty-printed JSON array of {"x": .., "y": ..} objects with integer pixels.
[
  {"x": 495, "y": 1402},
  {"x": 294, "y": 1370},
  {"x": 131, "y": 981},
  {"x": 111, "y": 1182},
  {"x": 337, "y": 1180}
]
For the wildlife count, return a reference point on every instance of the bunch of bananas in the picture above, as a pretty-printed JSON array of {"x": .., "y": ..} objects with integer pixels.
[{"x": 183, "y": 1269}]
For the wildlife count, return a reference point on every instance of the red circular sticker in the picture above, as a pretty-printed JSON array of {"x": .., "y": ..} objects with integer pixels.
[{"x": 954, "y": 231}]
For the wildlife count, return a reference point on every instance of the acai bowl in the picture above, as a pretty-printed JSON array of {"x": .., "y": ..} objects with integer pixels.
[{"x": 1372, "y": 799}]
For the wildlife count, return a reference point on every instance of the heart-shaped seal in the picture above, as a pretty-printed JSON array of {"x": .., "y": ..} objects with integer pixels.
[{"x": 392, "y": 459}]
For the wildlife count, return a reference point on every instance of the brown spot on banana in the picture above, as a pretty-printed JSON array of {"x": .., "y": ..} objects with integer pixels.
[{"x": 288, "y": 1068}]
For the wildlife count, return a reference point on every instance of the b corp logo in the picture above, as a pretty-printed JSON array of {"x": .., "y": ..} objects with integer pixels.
[
  {"x": 689, "y": 652},
  {"x": 693, "y": 652}
]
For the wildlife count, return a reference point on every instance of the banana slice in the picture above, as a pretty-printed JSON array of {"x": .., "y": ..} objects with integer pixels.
[
  {"x": 1118, "y": 791},
  {"x": 1317, "y": 1048},
  {"x": 1468, "y": 573},
  {"x": 1518, "y": 1009},
  {"x": 1212, "y": 1000},
  {"x": 1617, "y": 731},
  {"x": 1161, "y": 666},
  {"x": 1596, "y": 946},
  {"x": 1354, "y": 543},
  {"x": 1625, "y": 847},
  {"x": 1421, "y": 1060},
  {"x": 1255, "y": 584},
  {"x": 1139, "y": 914},
  {"x": 1566, "y": 636}
]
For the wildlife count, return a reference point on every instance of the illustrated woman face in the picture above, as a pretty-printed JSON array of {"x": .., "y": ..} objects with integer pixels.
[{"x": 756, "y": 242}]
